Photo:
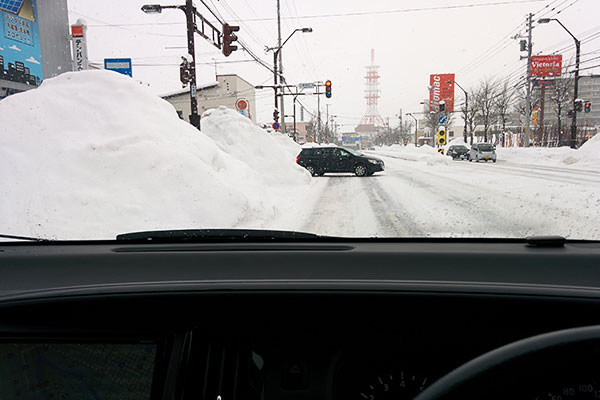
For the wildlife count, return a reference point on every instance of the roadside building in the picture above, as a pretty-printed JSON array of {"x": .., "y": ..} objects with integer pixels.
[
  {"x": 35, "y": 44},
  {"x": 226, "y": 91},
  {"x": 301, "y": 131}
]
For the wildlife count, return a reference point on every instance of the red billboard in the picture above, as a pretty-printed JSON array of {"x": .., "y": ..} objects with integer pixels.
[
  {"x": 441, "y": 87},
  {"x": 544, "y": 66}
]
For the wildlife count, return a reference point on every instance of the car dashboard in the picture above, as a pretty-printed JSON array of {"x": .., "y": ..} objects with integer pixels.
[{"x": 336, "y": 320}]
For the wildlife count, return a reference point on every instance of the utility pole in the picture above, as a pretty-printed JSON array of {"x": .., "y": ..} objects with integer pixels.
[
  {"x": 318, "y": 111},
  {"x": 281, "y": 98},
  {"x": 541, "y": 117},
  {"x": 416, "y": 127},
  {"x": 575, "y": 93},
  {"x": 528, "y": 78},
  {"x": 576, "y": 88},
  {"x": 327, "y": 115},
  {"x": 190, "y": 17}
]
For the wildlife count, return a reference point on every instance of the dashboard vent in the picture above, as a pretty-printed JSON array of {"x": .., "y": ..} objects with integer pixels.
[{"x": 226, "y": 371}]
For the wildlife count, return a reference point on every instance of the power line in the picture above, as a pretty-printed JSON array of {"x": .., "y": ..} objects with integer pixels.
[
  {"x": 403, "y": 10},
  {"x": 122, "y": 27},
  {"x": 583, "y": 69}
]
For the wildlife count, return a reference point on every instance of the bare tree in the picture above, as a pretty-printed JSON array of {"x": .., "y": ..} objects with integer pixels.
[
  {"x": 520, "y": 101},
  {"x": 561, "y": 96},
  {"x": 469, "y": 114},
  {"x": 502, "y": 104},
  {"x": 484, "y": 104}
]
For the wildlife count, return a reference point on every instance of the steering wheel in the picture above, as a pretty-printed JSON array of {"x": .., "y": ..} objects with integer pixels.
[{"x": 477, "y": 366}]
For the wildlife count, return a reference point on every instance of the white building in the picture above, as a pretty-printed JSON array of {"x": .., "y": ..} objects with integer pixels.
[{"x": 224, "y": 92}]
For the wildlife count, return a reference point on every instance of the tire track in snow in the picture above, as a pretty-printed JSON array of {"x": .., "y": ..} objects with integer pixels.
[
  {"x": 393, "y": 219},
  {"x": 343, "y": 209},
  {"x": 519, "y": 213}
]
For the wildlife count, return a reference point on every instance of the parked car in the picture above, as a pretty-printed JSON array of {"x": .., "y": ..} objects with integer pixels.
[
  {"x": 458, "y": 152},
  {"x": 321, "y": 160},
  {"x": 482, "y": 151}
]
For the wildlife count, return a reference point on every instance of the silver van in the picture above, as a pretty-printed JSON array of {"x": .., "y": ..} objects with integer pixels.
[{"x": 482, "y": 151}]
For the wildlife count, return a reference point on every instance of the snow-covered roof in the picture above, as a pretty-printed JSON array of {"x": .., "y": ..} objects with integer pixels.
[{"x": 186, "y": 91}]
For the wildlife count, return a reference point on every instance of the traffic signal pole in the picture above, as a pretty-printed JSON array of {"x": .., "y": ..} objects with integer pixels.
[
  {"x": 191, "y": 27},
  {"x": 528, "y": 80},
  {"x": 275, "y": 72},
  {"x": 575, "y": 91},
  {"x": 209, "y": 32}
]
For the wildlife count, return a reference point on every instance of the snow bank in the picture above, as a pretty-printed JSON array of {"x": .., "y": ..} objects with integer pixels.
[
  {"x": 588, "y": 156},
  {"x": 410, "y": 152},
  {"x": 92, "y": 154}
]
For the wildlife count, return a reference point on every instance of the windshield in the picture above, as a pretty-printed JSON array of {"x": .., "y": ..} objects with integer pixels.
[
  {"x": 356, "y": 153},
  {"x": 120, "y": 117}
]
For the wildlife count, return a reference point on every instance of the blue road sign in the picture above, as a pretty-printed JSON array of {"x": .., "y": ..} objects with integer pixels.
[
  {"x": 276, "y": 125},
  {"x": 442, "y": 120},
  {"x": 120, "y": 65}
]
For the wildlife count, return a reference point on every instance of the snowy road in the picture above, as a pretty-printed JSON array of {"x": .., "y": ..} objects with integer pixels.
[{"x": 417, "y": 198}]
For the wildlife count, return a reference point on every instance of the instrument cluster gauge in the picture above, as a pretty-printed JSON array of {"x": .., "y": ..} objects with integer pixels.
[
  {"x": 364, "y": 378},
  {"x": 583, "y": 390},
  {"x": 398, "y": 385}
]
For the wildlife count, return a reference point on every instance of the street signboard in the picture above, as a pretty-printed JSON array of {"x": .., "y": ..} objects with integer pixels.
[
  {"x": 241, "y": 104},
  {"x": 120, "y": 65},
  {"x": 306, "y": 85},
  {"x": 441, "y": 88},
  {"x": 350, "y": 138},
  {"x": 20, "y": 49},
  {"x": 442, "y": 119},
  {"x": 543, "y": 82},
  {"x": 544, "y": 66},
  {"x": 80, "y": 56},
  {"x": 275, "y": 126}
]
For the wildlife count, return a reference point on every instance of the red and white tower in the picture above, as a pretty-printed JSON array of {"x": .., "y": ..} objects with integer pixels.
[{"x": 372, "y": 91}]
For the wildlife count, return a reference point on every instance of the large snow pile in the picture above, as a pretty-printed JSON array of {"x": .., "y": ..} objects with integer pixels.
[
  {"x": 92, "y": 154},
  {"x": 587, "y": 156}
]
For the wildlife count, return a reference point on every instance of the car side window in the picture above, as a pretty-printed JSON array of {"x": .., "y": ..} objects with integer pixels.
[{"x": 344, "y": 153}]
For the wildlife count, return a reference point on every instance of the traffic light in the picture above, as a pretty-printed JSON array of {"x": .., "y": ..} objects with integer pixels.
[
  {"x": 328, "y": 89},
  {"x": 579, "y": 105},
  {"x": 588, "y": 107},
  {"x": 184, "y": 72},
  {"x": 228, "y": 38},
  {"x": 441, "y": 136},
  {"x": 442, "y": 106},
  {"x": 276, "y": 115},
  {"x": 523, "y": 44}
]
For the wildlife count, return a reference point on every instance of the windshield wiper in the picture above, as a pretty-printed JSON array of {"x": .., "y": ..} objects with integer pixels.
[
  {"x": 32, "y": 239},
  {"x": 201, "y": 235}
]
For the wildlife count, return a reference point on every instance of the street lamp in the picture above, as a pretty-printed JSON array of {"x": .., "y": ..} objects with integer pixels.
[
  {"x": 275, "y": 72},
  {"x": 466, "y": 109},
  {"x": 415, "y": 118},
  {"x": 190, "y": 13},
  {"x": 575, "y": 90}
]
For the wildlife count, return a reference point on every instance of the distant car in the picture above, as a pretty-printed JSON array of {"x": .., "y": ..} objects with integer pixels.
[
  {"x": 458, "y": 152},
  {"x": 321, "y": 160},
  {"x": 482, "y": 151}
]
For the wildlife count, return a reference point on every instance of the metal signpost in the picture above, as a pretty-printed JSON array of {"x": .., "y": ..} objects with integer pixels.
[{"x": 120, "y": 65}]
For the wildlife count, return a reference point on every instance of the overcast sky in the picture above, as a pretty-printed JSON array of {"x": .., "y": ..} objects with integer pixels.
[{"x": 473, "y": 42}]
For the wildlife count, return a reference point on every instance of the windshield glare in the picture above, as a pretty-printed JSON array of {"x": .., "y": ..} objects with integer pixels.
[{"x": 469, "y": 114}]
